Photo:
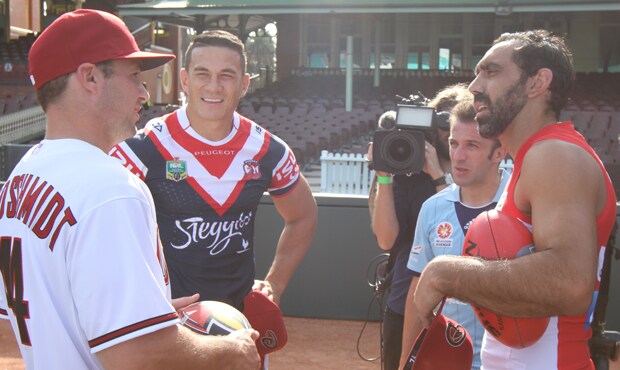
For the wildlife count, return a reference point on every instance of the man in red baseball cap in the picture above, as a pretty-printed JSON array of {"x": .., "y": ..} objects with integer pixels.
[
  {"x": 88, "y": 283},
  {"x": 85, "y": 36}
]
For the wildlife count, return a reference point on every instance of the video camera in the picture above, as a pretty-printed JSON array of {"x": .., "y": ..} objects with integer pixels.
[{"x": 398, "y": 144}]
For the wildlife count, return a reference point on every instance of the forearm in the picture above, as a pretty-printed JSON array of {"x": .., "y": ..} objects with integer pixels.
[
  {"x": 295, "y": 240},
  {"x": 176, "y": 347},
  {"x": 411, "y": 326},
  {"x": 536, "y": 285},
  {"x": 384, "y": 221}
]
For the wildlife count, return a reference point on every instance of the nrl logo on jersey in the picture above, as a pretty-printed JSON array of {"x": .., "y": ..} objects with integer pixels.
[
  {"x": 176, "y": 170},
  {"x": 251, "y": 168}
]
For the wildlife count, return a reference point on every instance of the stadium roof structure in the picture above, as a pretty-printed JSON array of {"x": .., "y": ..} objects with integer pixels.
[{"x": 253, "y": 14}]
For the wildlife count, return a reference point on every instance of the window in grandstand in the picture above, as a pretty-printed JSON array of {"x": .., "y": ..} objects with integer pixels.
[
  {"x": 413, "y": 60},
  {"x": 387, "y": 37},
  {"x": 426, "y": 64},
  {"x": 450, "y": 53},
  {"x": 387, "y": 60},
  {"x": 444, "y": 59},
  {"x": 357, "y": 52},
  {"x": 261, "y": 50},
  {"x": 318, "y": 59},
  {"x": 609, "y": 48},
  {"x": 418, "y": 27}
]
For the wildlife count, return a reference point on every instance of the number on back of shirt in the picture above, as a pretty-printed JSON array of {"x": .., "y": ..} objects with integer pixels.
[{"x": 12, "y": 275}]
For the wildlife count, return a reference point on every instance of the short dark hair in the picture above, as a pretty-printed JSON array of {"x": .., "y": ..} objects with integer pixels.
[
  {"x": 216, "y": 38},
  {"x": 538, "y": 49},
  {"x": 466, "y": 112},
  {"x": 51, "y": 90}
]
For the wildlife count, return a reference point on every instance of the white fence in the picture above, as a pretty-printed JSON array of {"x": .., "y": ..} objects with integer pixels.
[{"x": 345, "y": 173}]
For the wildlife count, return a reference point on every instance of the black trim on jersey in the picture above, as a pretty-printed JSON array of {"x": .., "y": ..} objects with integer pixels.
[{"x": 131, "y": 328}]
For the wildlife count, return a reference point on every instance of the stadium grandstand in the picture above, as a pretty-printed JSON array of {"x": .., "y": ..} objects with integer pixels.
[{"x": 299, "y": 90}]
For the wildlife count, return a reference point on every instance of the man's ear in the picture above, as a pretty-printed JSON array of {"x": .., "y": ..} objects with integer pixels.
[
  {"x": 88, "y": 76},
  {"x": 183, "y": 74},
  {"x": 246, "y": 84},
  {"x": 540, "y": 82}
]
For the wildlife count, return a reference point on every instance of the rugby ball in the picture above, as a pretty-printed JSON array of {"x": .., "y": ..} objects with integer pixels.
[{"x": 213, "y": 318}]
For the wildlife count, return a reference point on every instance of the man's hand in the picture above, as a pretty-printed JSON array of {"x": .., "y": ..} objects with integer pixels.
[
  {"x": 270, "y": 289},
  {"x": 245, "y": 339},
  {"x": 432, "y": 166},
  {"x": 427, "y": 295},
  {"x": 179, "y": 303}
]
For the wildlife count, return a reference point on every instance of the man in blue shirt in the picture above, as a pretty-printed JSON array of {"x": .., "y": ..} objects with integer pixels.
[
  {"x": 394, "y": 212},
  {"x": 445, "y": 217}
]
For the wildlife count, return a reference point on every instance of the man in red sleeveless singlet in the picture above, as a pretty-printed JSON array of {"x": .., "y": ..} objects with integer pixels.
[{"x": 559, "y": 189}]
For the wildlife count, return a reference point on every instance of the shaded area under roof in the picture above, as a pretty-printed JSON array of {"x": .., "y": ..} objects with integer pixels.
[{"x": 254, "y": 14}]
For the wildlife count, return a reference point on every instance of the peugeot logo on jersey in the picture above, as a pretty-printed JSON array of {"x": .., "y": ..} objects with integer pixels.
[{"x": 176, "y": 170}]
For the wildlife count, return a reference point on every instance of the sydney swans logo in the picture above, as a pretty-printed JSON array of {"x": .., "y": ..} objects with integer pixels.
[{"x": 220, "y": 233}]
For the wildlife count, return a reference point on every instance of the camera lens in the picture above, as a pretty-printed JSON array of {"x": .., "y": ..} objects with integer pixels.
[{"x": 400, "y": 150}]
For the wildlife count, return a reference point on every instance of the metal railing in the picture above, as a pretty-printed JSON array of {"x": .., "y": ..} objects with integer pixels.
[{"x": 22, "y": 126}]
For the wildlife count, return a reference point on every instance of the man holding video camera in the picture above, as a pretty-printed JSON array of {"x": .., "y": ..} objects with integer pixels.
[{"x": 395, "y": 207}]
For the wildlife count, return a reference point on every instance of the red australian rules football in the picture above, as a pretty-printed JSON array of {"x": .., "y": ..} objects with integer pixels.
[{"x": 497, "y": 235}]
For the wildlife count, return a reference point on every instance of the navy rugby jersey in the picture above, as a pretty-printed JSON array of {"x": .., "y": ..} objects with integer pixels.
[{"x": 206, "y": 195}]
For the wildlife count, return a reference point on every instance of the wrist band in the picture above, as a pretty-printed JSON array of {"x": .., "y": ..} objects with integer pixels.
[{"x": 384, "y": 179}]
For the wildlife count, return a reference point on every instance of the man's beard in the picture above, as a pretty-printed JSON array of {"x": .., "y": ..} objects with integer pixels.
[{"x": 503, "y": 111}]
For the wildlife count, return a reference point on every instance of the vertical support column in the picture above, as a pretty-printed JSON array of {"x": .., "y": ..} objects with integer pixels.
[{"x": 349, "y": 81}]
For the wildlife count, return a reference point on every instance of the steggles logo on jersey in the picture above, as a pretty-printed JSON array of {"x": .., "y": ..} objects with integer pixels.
[
  {"x": 218, "y": 234},
  {"x": 251, "y": 169},
  {"x": 176, "y": 170}
]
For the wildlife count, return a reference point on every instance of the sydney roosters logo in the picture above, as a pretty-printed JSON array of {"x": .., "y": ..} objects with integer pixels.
[
  {"x": 251, "y": 169},
  {"x": 455, "y": 334}
]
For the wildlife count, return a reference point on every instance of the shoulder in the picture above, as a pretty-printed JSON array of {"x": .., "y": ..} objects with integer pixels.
[
  {"x": 552, "y": 157},
  {"x": 439, "y": 201},
  {"x": 262, "y": 133}
]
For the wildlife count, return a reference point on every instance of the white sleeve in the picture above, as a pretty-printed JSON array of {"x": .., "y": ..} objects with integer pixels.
[{"x": 118, "y": 284}]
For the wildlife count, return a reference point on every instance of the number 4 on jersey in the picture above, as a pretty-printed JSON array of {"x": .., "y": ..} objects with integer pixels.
[{"x": 11, "y": 268}]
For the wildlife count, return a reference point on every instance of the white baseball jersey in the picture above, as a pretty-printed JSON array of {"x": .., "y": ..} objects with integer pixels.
[{"x": 80, "y": 256}]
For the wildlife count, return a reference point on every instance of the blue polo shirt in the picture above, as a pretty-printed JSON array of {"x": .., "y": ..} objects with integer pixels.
[{"x": 441, "y": 228}]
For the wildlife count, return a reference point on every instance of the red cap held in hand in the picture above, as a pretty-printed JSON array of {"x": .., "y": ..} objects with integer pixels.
[
  {"x": 266, "y": 318},
  {"x": 444, "y": 345}
]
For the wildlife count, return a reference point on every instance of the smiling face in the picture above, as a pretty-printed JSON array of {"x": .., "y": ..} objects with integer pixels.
[
  {"x": 214, "y": 83},
  {"x": 499, "y": 90}
]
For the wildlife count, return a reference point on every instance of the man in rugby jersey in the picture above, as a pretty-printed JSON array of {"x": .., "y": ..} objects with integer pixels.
[{"x": 207, "y": 167}]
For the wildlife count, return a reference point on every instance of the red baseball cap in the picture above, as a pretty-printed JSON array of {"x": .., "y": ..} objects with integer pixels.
[
  {"x": 266, "y": 318},
  {"x": 445, "y": 345},
  {"x": 84, "y": 36}
]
